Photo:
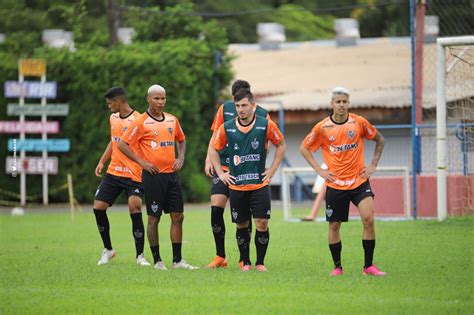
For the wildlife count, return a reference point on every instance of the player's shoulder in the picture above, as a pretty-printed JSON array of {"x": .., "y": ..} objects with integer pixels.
[
  {"x": 260, "y": 111},
  {"x": 170, "y": 117},
  {"x": 325, "y": 123},
  {"x": 357, "y": 118}
]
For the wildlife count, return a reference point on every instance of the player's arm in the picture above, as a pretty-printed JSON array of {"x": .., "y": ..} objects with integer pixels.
[
  {"x": 379, "y": 145},
  {"x": 178, "y": 164},
  {"x": 217, "y": 122},
  {"x": 208, "y": 168},
  {"x": 279, "y": 156},
  {"x": 105, "y": 157},
  {"x": 307, "y": 147},
  {"x": 218, "y": 143}
]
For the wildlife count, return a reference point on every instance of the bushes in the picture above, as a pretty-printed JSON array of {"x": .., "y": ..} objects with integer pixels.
[{"x": 185, "y": 67}]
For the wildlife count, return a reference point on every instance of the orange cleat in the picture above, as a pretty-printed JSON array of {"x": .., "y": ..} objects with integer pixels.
[{"x": 218, "y": 262}]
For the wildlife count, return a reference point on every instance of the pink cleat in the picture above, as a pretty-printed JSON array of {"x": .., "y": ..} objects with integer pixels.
[
  {"x": 373, "y": 271},
  {"x": 336, "y": 272},
  {"x": 245, "y": 268},
  {"x": 261, "y": 268}
]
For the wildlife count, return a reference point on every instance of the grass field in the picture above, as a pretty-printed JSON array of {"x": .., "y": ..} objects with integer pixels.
[{"x": 49, "y": 265}]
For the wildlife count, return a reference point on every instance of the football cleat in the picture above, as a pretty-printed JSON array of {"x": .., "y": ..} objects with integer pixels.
[
  {"x": 218, "y": 262},
  {"x": 261, "y": 268},
  {"x": 160, "y": 266},
  {"x": 336, "y": 272},
  {"x": 106, "y": 256},
  {"x": 183, "y": 265},
  {"x": 141, "y": 260},
  {"x": 373, "y": 271}
]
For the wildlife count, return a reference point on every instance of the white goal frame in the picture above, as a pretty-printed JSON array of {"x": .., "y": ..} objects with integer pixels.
[
  {"x": 286, "y": 172},
  {"x": 441, "y": 135}
]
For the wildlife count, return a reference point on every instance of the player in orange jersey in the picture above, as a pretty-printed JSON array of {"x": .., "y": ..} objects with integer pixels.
[
  {"x": 156, "y": 133},
  {"x": 341, "y": 139},
  {"x": 246, "y": 138},
  {"x": 122, "y": 175}
]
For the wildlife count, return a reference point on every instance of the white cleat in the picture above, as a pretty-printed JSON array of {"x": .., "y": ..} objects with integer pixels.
[
  {"x": 160, "y": 266},
  {"x": 106, "y": 256},
  {"x": 141, "y": 260},
  {"x": 184, "y": 265}
]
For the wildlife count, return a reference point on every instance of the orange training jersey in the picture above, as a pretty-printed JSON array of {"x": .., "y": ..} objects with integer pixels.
[
  {"x": 120, "y": 165},
  {"x": 156, "y": 139},
  {"x": 342, "y": 146},
  {"x": 219, "y": 142}
]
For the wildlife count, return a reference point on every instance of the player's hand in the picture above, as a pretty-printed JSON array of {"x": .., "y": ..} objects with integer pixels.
[
  {"x": 226, "y": 178},
  {"x": 150, "y": 168},
  {"x": 327, "y": 175},
  {"x": 178, "y": 164},
  {"x": 268, "y": 175},
  {"x": 208, "y": 168},
  {"x": 98, "y": 169},
  {"x": 368, "y": 171}
]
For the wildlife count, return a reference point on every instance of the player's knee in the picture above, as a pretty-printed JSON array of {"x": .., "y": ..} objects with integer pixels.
[
  {"x": 368, "y": 222},
  {"x": 177, "y": 218},
  {"x": 334, "y": 226},
  {"x": 153, "y": 220},
  {"x": 261, "y": 224}
]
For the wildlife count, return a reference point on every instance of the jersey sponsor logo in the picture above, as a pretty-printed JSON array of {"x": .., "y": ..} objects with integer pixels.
[
  {"x": 122, "y": 169},
  {"x": 250, "y": 176},
  {"x": 155, "y": 133},
  {"x": 254, "y": 144},
  {"x": 328, "y": 126},
  {"x": 345, "y": 182},
  {"x": 166, "y": 143},
  {"x": 343, "y": 147},
  {"x": 236, "y": 146},
  {"x": 332, "y": 138},
  {"x": 246, "y": 158},
  {"x": 153, "y": 144},
  {"x": 149, "y": 123},
  {"x": 351, "y": 134},
  {"x": 229, "y": 113},
  {"x": 231, "y": 130},
  {"x": 260, "y": 128},
  {"x": 170, "y": 130}
]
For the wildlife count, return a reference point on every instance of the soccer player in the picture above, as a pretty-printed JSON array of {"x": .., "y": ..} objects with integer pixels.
[
  {"x": 246, "y": 137},
  {"x": 341, "y": 139},
  {"x": 156, "y": 132},
  {"x": 122, "y": 175},
  {"x": 220, "y": 191}
]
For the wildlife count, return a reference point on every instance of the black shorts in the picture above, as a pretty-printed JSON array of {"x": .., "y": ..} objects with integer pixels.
[
  {"x": 218, "y": 187},
  {"x": 162, "y": 193},
  {"x": 338, "y": 201},
  {"x": 112, "y": 186},
  {"x": 245, "y": 204}
]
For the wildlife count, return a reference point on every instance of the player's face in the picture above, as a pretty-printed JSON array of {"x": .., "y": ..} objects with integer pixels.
[
  {"x": 245, "y": 109},
  {"x": 340, "y": 104},
  {"x": 157, "y": 101},
  {"x": 113, "y": 104}
]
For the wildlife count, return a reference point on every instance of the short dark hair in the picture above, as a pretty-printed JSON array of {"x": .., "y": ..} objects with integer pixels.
[
  {"x": 115, "y": 91},
  {"x": 243, "y": 93},
  {"x": 240, "y": 84}
]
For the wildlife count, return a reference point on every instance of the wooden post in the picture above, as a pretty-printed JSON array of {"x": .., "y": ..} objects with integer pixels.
[{"x": 71, "y": 197}]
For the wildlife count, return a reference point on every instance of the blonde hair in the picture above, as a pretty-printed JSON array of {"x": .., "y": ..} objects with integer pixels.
[{"x": 155, "y": 88}]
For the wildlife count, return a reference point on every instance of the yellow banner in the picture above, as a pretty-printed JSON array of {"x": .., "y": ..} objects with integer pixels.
[{"x": 32, "y": 67}]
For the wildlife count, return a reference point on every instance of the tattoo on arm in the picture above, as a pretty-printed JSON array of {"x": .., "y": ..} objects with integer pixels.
[{"x": 379, "y": 145}]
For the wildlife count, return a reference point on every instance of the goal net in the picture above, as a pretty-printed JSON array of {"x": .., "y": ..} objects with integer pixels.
[
  {"x": 390, "y": 184},
  {"x": 455, "y": 126}
]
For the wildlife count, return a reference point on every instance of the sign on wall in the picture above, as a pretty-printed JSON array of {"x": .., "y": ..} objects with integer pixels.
[
  {"x": 30, "y": 89},
  {"x": 32, "y": 165},
  {"x": 29, "y": 127},
  {"x": 38, "y": 145}
]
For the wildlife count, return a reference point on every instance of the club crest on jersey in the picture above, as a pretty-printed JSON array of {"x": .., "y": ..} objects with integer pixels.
[
  {"x": 154, "y": 207},
  {"x": 124, "y": 129},
  {"x": 254, "y": 144},
  {"x": 350, "y": 134},
  {"x": 170, "y": 130},
  {"x": 236, "y": 146}
]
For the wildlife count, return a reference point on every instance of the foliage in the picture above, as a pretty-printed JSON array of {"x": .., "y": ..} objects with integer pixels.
[
  {"x": 49, "y": 266},
  {"x": 185, "y": 67},
  {"x": 302, "y": 25}
]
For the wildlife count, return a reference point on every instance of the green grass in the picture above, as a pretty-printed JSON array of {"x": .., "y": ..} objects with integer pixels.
[{"x": 49, "y": 265}]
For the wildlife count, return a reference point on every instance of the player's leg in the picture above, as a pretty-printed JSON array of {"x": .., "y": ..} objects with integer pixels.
[
  {"x": 219, "y": 197},
  {"x": 261, "y": 212},
  {"x": 316, "y": 204},
  {"x": 240, "y": 211},
  {"x": 154, "y": 208},
  {"x": 174, "y": 204},
  {"x": 337, "y": 211},
  {"x": 363, "y": 199},
  {"x": 106, "y": 193}
]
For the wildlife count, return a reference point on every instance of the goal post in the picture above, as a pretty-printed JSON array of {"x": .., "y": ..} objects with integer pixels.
[
  {"x": 464, "y": 87},
  {"x": 387, "y": 178}
]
